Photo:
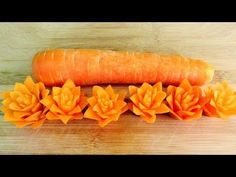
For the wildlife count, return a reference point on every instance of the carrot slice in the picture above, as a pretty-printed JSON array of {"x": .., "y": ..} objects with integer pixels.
[
  {"x": 185, "y": 101},
  {"x": 105, "y": 105},
  {"x": 65, "y": 103},
  {"x": 147, "y": 101},
  {"x": 221, "y": 100},
  {"x": 22, "y": 105}
]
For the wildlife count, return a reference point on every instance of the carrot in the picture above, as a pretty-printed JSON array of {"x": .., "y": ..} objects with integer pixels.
[{"x": 89, "y": 67}]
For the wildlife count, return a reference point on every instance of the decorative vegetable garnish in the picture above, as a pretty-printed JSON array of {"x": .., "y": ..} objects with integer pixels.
[
  {"x": 31, "y": 104},
  {"x": 65, "y": 103},
  {"x": 147, "y": 101},
  {"x": 22, "y": 105},
  {"x": 221, "y": 100},
  {"x": 91, "y": 67},
  {"x": 186, "y": 101},
  {"x": 105, "y": 105}
]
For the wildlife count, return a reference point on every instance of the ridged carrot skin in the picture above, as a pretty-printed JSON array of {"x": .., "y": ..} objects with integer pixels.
[{"x": 89, "y": 67}]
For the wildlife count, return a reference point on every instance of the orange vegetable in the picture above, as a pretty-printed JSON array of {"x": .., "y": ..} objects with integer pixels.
[
  {"x": 90, "y": 67},
  {"x": 185, "y": 102},
  {"x": 105, "y": 105},
  {"x": 147, "y": 101},
  {"x": 65, "y": 103},
  {"x": 22, "y": 105},
  {"x": 221, "y": 100}
]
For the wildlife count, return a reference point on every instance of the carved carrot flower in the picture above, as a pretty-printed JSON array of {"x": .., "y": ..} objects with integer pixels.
[
  {"x": 185, "y": 102},
  {"x": 221, "y": 100},
  {"x": 147, "y": 101},
  {"x": 22, "y": 105},
  {"x": 65, "y": 103},
  {"x": 105, "y": 105}
]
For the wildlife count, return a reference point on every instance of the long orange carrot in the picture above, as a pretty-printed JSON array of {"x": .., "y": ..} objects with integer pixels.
[{"x": 89, "y": 67}]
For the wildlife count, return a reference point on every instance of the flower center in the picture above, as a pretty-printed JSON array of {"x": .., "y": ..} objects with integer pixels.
[
  {"x": 66, "y": 99},
  {"x": 147, "y": 99},
  {"x": 105, "y": 104},
  {"x": 24, "y": 100}
]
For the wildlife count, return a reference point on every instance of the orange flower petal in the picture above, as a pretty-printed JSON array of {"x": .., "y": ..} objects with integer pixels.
[
  {"x": 171, "y": 90},
  {"x": 195, "y": 107},
  {"x": 34, "y": 117},
  {"x": 14, "y": 106},
  {"x": 55, "y": 109},
  {"x": 37, "y": 124},
  {"x": 22, "y": 124},
  {"x": 136, "y": 110},
  {"x": 29, "y": 83},
  {"x": 56, "y": 91},
  {"x": 169, "y": 100},
  {"x": 104, "y": 122},
  {"x": 134, "y": 99},
  {"x": 162, "y": 109},
  {"x": 21, "y": 114},
  {"x": 64, "y": 118},
  {"x": 111, "y": 112},
  {"x": 44, "y": 92},
  {"x": 21, "y": 88},
  {"x": 78, "y": 116},
  {"x": 48, "y": 101},
  {"x": 124, "y": 109},
  {"x": 159, "y": 98},
  {"x": 92, "y": 101},
  {"x": 83, "y": 102},
  {"x": 90, "y": 114},
  {"x": 177, "y": 105},
  {"x": 120, "y": 104},
  {"x": 145, "y": 86},
  {"x": 77, "y": 109},
  {"x": 69, "y": 84},
  {"x": 96, "y": 108},
  {"x": 113, "y": 117},
  {"x": 141, "y": 106},
  {"x": 150, "y": 112},
  {"x": 37, "y": 107},
  {"x": 185, "y": 85},
  {"x": 210, "y": 110},
  {"x": 110, "y": 91},
  {"x": 158, "y": 86},
  {"x": 51, "y": 116},
  {"x": 9, "y": 116},
  {"x": 197, "y": 115},
  {"x": 5, "y": 95},
  {"x": 175, "y": 115},
  {"x": 132, "y": 89},
  {"x": 149, "y": 118},
  {"x": 185, "y": 113}
]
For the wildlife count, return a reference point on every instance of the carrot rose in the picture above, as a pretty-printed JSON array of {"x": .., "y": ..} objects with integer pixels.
[
  {"x": 147, "y": 101},
  {"x": 22, "y": 105},
  {"x": 105, "y": 106},
  {"x": 221, "y": 100},
  {"x": 65, "y": 103},
  {"x": 186, "y": 101}
]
